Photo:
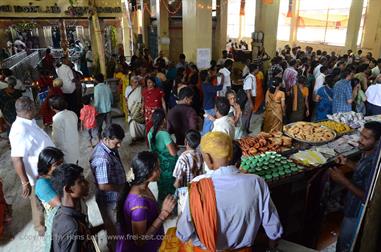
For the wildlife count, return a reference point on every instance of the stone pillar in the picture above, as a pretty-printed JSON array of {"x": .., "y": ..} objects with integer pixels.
[
  {"x": 98, "y": 51},
  {"x": 197, "y": 27},
  {"x": 354, "y": 21},
  {"x": 221, "y": 28},
  {"x": 266, "y": 21},
  {"x": 162, "y": 27},
  {"x": 294, "y": 21},
  {"x": 372, "y": 29},
  {"x": 126, "y": 30},
  {"x": 146, "y": 21}
]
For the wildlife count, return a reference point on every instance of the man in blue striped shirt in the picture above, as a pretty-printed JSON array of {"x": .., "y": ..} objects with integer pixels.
[
  {"x": 109, "y": 175},
  {"x": 342, "y": 93}
]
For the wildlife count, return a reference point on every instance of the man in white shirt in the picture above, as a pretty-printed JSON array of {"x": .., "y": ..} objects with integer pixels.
[
  {"x": 227, "y": 80},
  {"x": 64, "y": 130},
  {"x": 322, "y": 62},
  {"x": 377, "y": 70},
  {"x": 250, "y": 88},
  {"x": 161, "y": 56},
  {"x": 222, "y": 122},
  {"x": 65, "y": 73},
  {"x": 373, "y": 97},
  {"x": 221, "y": 61},
  {"x": 320, "y": 79},
  {"x": 27, "y": 140}
]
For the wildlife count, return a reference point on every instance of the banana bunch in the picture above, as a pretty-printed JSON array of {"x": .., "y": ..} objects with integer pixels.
[{"x": 336, "y": 126}]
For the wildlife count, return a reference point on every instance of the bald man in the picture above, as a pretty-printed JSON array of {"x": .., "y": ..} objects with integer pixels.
[{"x": 227, "y": 222}]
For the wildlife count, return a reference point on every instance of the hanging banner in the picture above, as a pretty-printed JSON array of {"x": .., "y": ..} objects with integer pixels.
[
  {"x": 289, "y": 13},
  {"x": 268, "y": 1},
  {"x": 242, "y": 8}
]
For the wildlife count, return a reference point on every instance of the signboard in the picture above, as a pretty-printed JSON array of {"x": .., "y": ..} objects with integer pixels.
[
  {"x": 204, "y": 56},
  {"x": 60, "y": 8}
]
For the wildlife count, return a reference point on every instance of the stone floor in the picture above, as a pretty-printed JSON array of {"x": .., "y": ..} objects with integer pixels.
[{"x": 20, "y": 233}]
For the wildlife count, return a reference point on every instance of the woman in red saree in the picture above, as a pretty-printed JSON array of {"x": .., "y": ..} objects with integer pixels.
[
  {"x": 45, "y": 111},
  {"x": 153, "y": 98}
]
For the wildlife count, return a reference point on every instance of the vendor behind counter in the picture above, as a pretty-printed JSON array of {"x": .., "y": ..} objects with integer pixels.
[{"x": 358, "y": 186}]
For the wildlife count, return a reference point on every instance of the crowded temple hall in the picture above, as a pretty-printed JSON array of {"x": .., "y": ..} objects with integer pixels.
[{"x": 190, "y": 125}]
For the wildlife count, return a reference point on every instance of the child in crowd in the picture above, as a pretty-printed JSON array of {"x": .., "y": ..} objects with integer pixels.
[
  {"x": 189, "y": 164},
  {"x": 87, "y": 116},
  {"x": 70, "y": 224}
]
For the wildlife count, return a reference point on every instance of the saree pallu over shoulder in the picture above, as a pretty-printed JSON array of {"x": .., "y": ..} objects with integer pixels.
[
  {"x": 203, "y": 209},
  {"x": 273, "y": 116}
]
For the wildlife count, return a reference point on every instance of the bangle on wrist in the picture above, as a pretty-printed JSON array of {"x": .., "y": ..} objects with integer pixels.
[
  {"x": 168, "y": 212},
  {"x": 25, "y": 183},
  {"x": 161, "y": 219}
]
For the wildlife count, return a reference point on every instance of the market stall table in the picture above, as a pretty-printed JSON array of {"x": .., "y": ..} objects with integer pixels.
[{"x": 299, "y": 197}]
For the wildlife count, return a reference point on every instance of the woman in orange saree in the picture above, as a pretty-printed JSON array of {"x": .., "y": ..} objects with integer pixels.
[{"x": 275, "y": 107}]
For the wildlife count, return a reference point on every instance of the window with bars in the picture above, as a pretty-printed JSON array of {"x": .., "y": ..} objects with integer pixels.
[{"x": 241, "y": 26}]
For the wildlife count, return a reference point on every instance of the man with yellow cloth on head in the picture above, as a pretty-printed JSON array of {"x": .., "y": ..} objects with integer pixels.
[{"x": 226, "y": 208}]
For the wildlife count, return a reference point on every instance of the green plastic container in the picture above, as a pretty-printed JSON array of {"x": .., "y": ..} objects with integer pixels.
[
  {"x": 245, "y": 167},
  {"x": 275, "y": 175}
]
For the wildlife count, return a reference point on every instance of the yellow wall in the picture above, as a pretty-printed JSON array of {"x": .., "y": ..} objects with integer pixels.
[
  {"x": 372, "y": 30},
  {"x": 197, "y": 27}
]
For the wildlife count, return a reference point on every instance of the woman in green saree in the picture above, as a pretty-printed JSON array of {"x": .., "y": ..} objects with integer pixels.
[{"x": 161, "y": 143}]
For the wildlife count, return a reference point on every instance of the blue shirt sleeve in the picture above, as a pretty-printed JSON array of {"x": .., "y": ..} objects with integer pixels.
[
  {"x": 100, "y": 167},
  {"x": 348, "y": 92},
  {"x": 44, "y": 190}
]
